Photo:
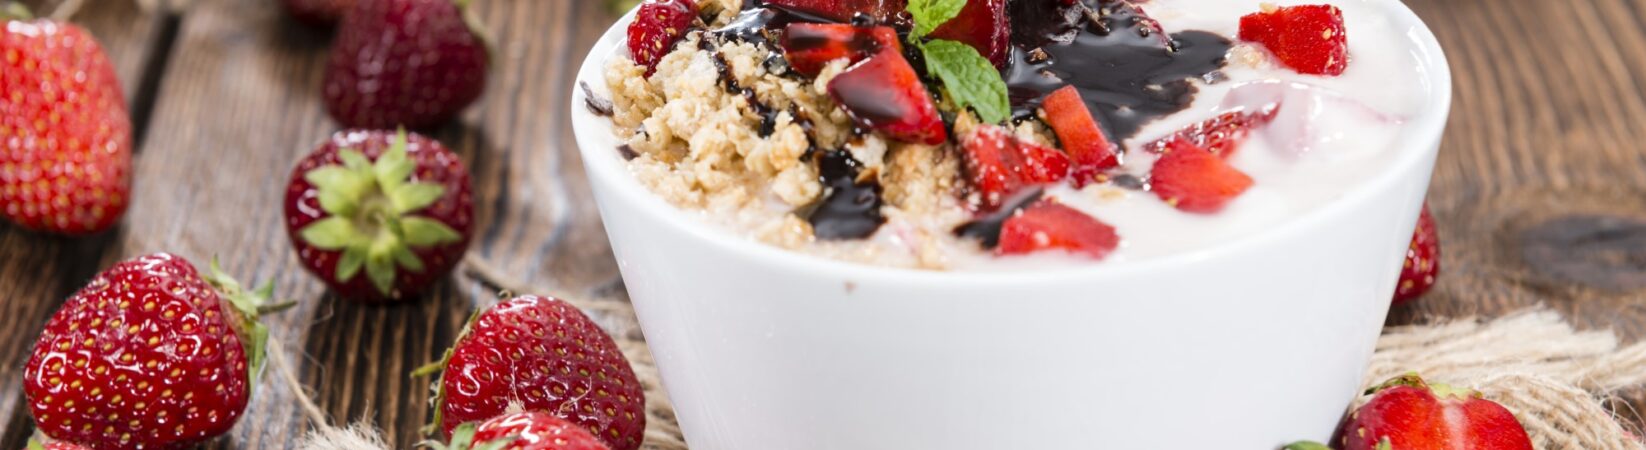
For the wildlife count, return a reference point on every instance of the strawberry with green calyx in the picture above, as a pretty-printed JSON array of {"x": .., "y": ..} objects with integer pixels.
[
  {"x": 380, "y": 216},
  {"x": 541, "y": 354},
  {"x": 65, "y": 135},
  {"x": 521, "y": 431},
  {"x": 150, "y": 354},
  {"x": 1408, "y": 413}
]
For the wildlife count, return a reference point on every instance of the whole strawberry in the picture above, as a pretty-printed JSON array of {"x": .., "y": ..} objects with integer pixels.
[
  {"x": 1408, "y": 413},
  {"x": 317, "y": 12},
  {"x": 1422, "y": 264},
  {"x": 380, "y": 216},
  {"x": 150, "y": 355},
  {"x": 413, "y": 63},
  {"x": 522, "y": 431},
  {"x": 65, "y": 137},
  {"x": 541, "y": 354}
]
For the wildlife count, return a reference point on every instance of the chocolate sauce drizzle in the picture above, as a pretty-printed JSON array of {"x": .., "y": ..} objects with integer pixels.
[
  {"x": 986, "y": 229},
  {"x": 850, "y": 209},
  {"x": 1127, "y": 74}
]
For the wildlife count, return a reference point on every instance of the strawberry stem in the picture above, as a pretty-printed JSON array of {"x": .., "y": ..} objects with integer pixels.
[{"x": 15, "y": 11}]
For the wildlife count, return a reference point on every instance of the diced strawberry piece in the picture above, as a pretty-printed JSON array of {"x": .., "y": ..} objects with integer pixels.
[
  {"x": 810, "y": 46},
  {"x": 1194, "y": 180},
  {"x": 1091, "y": 151},
  {"x": 842, "y": 10},
  {"x": 1051, "y": 225},
  {"x": 998, "y": 165},
  {"x": 1308, "y": 38},
  {"x": 1221, "y": 135},
  {"x": 656, "y": 27},
  {"x": 983, "y": 25},
  {"x": 884, "y": 94}
]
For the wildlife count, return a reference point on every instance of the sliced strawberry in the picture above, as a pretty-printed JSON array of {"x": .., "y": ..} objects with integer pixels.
[
  {"x": 1308, "y": 38},
  {"x": 1422, "y": 265},
  {"x": 998, "y": 165},
  {"x": 1408, "y": 413},
  {"x": 843, "y": 10},
  {"x": 884, "y": 94},
  {"x": 656, "y": 27},
  {"x": 810, "y": 46},
  {"x": 1194, "y": 180},
  {"x": 983, "y": 25},
  {"x": 1050, "y": 225},
  {"x": 1221, "y": 135},
  {"x": 1091, "y": 151}
]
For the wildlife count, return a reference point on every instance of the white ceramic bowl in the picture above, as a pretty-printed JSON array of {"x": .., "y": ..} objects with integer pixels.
[{"x": 1244, "y": 345}]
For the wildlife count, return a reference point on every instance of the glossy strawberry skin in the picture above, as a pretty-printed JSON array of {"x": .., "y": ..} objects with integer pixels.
[
  {"x": 317, "y": 12},
  {"x": 1090, "y": 151},
  {"x": 984, "y": 25},
  {"x": 998, "y": 165},
  {"x": 656, "y": 27},
  {"x": 810, "y": 46},
  {"x": 435, "y": 164},
  {"x": 546, "y": 355},
  {"x": 883, "y": 93},
  {"x": 1195, "y": 180},
  {"x": 65, "y": 136},
  {"x": 1414, "y": 416},
  {"x": 146, "y": 356},
  {"x": 1222, "y": 135},
  {"x": 1308, "y": 38},
  {"x": 412, "y": 63},
  {"x": 1050, "y": 225},
  {"x": 1422, "y": 265},
  {"x": 843, "y": 10},
  {"x": 537, "y": 431}
]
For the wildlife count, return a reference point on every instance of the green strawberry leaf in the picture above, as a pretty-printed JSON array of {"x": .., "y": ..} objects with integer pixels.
[
  {"x": 930, "y": 14},
  {"x": 426, "y": 232},
  {"x": 972, "y": 81},
  {"x": 393, "y": 167},
  {"x": 380, "y": 265},
  {"x": 1305, "y": 445},
  {"x": 411, "y": 197},
  {"x": 331, "y": 233},
  {"x": 353, "y": 259}
]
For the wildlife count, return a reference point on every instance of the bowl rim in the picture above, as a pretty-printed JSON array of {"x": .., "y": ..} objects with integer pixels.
[{"x": 607, "y": 171}]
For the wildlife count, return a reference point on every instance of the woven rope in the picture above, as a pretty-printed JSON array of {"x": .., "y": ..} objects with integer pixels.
[{"x": 1556, "y": 379}]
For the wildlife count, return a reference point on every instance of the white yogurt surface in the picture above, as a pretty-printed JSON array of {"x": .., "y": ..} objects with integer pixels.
[{"x": 1330, "y": 134}]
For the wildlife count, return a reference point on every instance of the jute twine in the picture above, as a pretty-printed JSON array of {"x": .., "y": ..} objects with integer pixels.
[{"x": 1557, "y": 380}]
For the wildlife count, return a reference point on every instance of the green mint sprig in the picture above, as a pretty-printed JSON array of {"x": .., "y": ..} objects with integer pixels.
[{"x": 972, "y": 81}]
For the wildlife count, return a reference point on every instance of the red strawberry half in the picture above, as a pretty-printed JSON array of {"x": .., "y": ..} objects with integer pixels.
[
  {"x": 522, "y": 431},
  {"x": 1407, "y": 413},
  {"x": 843, "y": 10},
  {"x": 883, "y": 93},
  {"x": 412, "y": 63},
  {"x": 150, "y": 355},
  {"x": 1089, "y": 149},
  {"x": 998, "y": 165},
  {"x": 1308, "y": 38},
  {"x": 541, "y": 354},
  {"x": 810, "y": 46},
  {"x": 379, "y": 216},
  {"x": 65, "y": 137},
  {"x": 982, "y": 24},
  {"x": 1195, "y": 180},
  {"x": 656, "y": 27},
  {"x": 1422, "y": 264},
  {"x": 1051, "y": 225},
  {"x": 1221, "y": 135}
]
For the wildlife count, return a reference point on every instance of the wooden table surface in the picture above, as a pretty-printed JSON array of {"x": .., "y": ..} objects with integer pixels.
[{"x": 1540, "y": 191}]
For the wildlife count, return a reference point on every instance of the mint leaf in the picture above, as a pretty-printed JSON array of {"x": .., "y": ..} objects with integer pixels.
[
  {"x": 970, "y": 78},
  {"x": 930, "y": 14}
]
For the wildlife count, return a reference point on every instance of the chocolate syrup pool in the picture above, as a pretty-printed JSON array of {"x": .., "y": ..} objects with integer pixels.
[{"x": 1128, "y": 72}]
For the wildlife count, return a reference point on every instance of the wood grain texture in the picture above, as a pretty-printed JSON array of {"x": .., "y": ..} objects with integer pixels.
[{"x": 1540, "y": 191}]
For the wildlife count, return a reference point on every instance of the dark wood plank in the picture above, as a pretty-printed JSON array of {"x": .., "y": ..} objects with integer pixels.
[{"x": 36, "y": 271}]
